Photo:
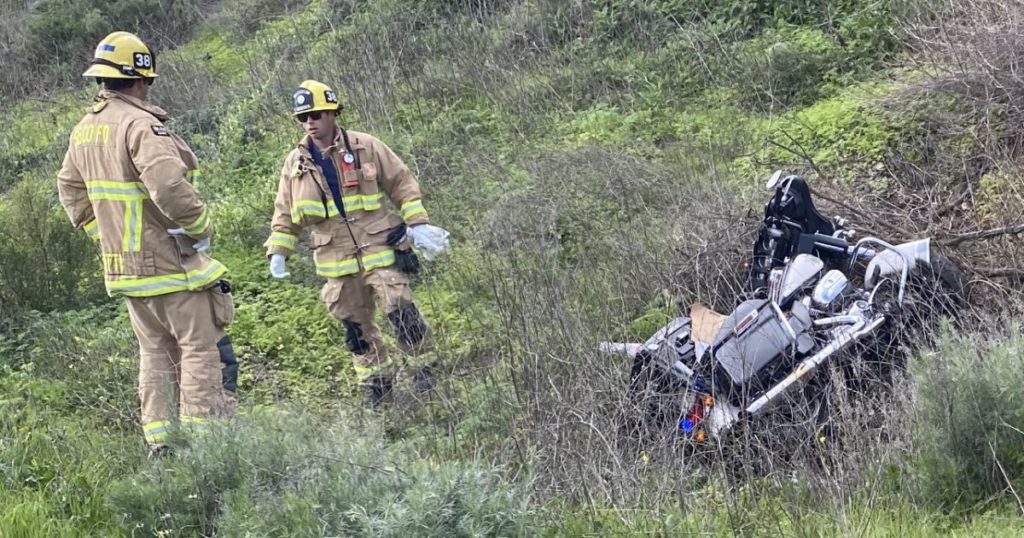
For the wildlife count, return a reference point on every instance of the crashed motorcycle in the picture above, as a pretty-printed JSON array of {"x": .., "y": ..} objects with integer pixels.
[{"x": 818, "y": 300}]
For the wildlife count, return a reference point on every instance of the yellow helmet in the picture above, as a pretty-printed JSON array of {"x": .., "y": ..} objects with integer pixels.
[
  {"x": 122, "y": 55},
  {"x": 312, "y": 96}
]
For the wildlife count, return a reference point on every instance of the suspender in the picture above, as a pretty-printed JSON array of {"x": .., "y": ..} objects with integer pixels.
[{"x": 338, "y": 172}]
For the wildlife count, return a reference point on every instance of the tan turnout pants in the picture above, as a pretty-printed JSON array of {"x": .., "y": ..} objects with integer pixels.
[
  {"x": 179, "y": 363},
  {"x": 350, "y": 300}
]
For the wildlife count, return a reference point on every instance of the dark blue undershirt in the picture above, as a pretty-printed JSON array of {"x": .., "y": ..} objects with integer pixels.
[{"x": 330, "y": 174}]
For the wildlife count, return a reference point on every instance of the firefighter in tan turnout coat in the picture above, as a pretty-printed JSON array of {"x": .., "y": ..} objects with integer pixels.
[
  {"x": 336, "y": 184},
  {"x": 125, "y": 181}
]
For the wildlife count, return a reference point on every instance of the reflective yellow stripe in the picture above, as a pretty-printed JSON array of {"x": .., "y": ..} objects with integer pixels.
[
  {"x": 113, "y": 263},
  {"x": 364, "y": 373},
  {"x": 121, "y": 191},
  {"x": 200, "y": 226},
  {"x": 413, "y": 208},
  {"x": 193, "y": 177},
  {"x": 131, "y": 240},
  {"x": 92, "y": 228},
  {"x": 312, "y": 208},
  {"x": 380, "y": 259},
  {"x": 281, "y": 239},
  {"x": 194, "y": 422},
  {"x": 134, "y": 286},
  {"x": 349, "y": 266},
  {"x": 157, "y": 430},
  {"x": 361, "y": 202}
]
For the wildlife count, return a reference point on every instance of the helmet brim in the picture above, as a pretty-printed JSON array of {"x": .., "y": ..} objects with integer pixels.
[
  {"x": 105, "y": 71},
  {"x": 319, "y": 108}
]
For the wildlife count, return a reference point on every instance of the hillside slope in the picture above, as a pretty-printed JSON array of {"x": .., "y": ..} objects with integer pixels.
[{"x": 598, "y": 163}]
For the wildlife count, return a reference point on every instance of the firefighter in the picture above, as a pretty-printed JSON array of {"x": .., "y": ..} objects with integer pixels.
[
  {"x": 126, "y": 181},
  {"x": 336, "y": 183}
]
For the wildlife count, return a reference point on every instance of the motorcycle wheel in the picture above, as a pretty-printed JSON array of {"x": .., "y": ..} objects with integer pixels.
[{"x": 654, "y": 401}]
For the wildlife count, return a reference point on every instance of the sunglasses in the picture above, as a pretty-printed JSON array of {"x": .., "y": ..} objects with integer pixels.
[{"x": 306, "y": 115}]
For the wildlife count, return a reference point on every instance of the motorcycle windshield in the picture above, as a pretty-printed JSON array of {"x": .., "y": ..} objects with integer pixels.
[{"x": 890, "y": 263}]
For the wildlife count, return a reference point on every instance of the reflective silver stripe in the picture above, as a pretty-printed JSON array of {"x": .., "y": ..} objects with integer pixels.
[
  {"x": 380, "y": 259},
  {"x": 281, "y": 239},
  {"x": 132, "y": 242},
  {"x": 92, "y": 228},
  {"x": 157, "y": 430},
  {"x": 348, "y": 266},
  {"x": 121, "y": 191},
  {"x": 361, "y": 202},
  {"x": 201, "y": 224},
  {"x": 159, "y": 285},
  {"x": 413, "y": 208}
]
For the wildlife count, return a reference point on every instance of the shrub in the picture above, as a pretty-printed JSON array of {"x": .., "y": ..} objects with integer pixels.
[
  {"x": 47, "y": 264},
  {"x": 968, "y": 419},
  {"x": 289, "y": 472},
  {"x": 56, "y": 38}
]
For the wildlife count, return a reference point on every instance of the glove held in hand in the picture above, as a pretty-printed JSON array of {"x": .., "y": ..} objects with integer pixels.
[{"x": 407, "y": 261}]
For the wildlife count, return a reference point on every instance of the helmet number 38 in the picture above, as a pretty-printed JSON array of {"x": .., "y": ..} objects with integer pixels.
[{"x": 143, "y": 60}]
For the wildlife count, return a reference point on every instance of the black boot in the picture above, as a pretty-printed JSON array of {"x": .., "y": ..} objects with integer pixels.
[
  {"x": 160, "y": 451},
  {"x": 424, "y": 379},
  {"x": 378, "y": 391}
]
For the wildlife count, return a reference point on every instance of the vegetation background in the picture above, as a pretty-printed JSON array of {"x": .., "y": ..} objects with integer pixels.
[{"x": 599, "y": 164}]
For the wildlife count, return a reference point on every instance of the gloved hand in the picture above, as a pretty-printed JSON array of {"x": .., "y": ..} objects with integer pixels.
[
  {"x": 432, "y": 240},
  {"x": 277, "y": 269},
  {"x": 202, "y": 245}
]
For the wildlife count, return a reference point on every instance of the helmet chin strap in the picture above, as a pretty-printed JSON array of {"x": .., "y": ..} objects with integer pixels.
[{"x": 126, "y": 69}]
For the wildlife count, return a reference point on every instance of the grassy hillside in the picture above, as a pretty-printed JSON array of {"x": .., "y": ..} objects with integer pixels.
[{"x": 599, "y": 164}]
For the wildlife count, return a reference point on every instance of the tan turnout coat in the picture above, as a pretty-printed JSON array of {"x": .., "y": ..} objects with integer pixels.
[
  {"x": 126, "y": 180},
  {"x": 356, "y": 243}
]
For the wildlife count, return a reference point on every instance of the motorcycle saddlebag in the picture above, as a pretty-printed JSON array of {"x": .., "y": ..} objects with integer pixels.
[{"x": 751, "y": 339}]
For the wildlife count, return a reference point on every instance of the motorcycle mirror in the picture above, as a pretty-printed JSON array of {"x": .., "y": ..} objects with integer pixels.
[{"x": 774, "y": 180}]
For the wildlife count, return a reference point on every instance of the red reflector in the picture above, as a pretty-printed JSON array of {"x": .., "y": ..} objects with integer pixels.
[{"x": 697, "y": 411}]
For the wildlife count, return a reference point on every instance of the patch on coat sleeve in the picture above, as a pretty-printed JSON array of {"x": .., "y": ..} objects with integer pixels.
[{"x": 160, "y": 130}]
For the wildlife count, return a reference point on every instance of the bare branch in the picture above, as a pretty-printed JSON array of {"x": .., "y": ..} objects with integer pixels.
[{"x": 983, "y": 234}]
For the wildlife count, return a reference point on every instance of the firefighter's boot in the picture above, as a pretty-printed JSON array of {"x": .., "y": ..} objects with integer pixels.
[
  {"x": 425, "y": 379},
  {"x": 378, "y": 391}
]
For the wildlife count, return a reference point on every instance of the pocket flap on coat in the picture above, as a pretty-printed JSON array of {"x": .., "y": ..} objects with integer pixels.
[{"x": 319, "y": 239}]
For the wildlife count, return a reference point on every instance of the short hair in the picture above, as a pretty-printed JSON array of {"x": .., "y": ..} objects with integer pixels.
[{"x": 116, "y": 84}]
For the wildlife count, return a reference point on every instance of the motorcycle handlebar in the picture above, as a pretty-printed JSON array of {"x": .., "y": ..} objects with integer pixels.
[{"x": 829, "y": 241}]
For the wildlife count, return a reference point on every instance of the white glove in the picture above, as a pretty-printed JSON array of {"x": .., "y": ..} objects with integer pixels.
[
  {"x": 277, "y": 269},
  {"x": 201, "y": 245},
  {"x": 431, "y": 240}
]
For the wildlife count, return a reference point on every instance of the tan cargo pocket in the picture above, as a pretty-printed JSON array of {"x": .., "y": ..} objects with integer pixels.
[
  {"x": 139, "y": 263},
  {"x": 319, "y": 239},
  {"x": 223, "y": 306},
  {"x": 368, "y": 183},
  {"x": 331, "y": 292}
]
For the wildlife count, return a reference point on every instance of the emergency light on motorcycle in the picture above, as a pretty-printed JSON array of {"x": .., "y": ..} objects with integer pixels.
[{"x": 693, "y": 418}]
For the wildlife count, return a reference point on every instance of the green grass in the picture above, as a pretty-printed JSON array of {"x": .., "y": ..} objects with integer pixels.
[{"x": 579, "y": 164}]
